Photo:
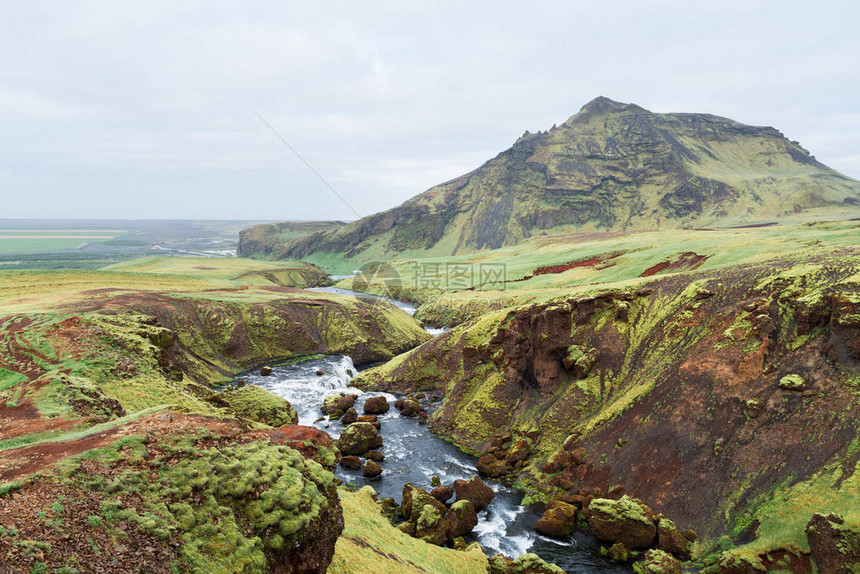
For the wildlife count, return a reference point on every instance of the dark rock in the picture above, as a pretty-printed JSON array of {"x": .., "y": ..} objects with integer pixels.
[
  {"x": 490, "y": 466},
  {"x": 442, "y": 493},
  {"x": 475, "y": 491},
  {"x": 557, "y": 462},
  {"x": 368, "y": 418},
  {"x": 435, "y": 481},
  {"x": 335, "y": 403},
  {"x": 371, "y": 469},
  {"x": 266, "y": 371},
  {"x": 570, "y": 441},
  {"x": 376, "y": 405},
  {"x": 358, "y": 438},
  {"x": 411, "y": 408},
  {"x": 350, "y": 461},
  {"x": 626, "y": 520},
  {"x": 518, "y": 452},
  {"x": 835, "y": 547},
  {"x": 320, "y": 373},
  {"x": 374, "y": 455},
  {"x": 577, "y": 455},
  {"x": 558, "y": 520},
  {"x": 670, "y": 540},
  {"x": 461, "y": 518},
  {"x": 349, "y": 417},
  {"x": 615, "y": 492}
]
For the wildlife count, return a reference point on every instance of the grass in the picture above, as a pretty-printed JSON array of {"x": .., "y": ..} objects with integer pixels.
[
  {"x": 627, "y": 257},
  {"x": 784, "y": 515},
  {"x": 370, "y": 543}
]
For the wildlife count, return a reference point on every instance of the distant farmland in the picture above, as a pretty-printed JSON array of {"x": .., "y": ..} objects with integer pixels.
[{"x": 38, "y": 240}]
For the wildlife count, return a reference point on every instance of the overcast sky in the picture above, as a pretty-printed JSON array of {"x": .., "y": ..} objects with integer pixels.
[{"x": 144, "y": 109}]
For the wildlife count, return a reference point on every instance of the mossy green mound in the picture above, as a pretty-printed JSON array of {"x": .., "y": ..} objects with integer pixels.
[
  {"x": 259, "y": 405},
  {"x": 216, "y": 504}
]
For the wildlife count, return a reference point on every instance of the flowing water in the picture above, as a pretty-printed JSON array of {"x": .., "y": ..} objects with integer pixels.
[{"x": 413, "y": 454}]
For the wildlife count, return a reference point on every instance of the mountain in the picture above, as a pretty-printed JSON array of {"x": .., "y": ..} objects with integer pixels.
[{"x": 610, "y": 167}]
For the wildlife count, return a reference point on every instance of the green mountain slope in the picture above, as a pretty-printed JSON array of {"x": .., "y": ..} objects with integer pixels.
[{"x": 610, "y": 167}]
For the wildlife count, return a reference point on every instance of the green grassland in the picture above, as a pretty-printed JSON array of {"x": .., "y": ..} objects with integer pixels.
[
  {"x": 92, "y": 345},
  {"x": 435, "y": 281}
]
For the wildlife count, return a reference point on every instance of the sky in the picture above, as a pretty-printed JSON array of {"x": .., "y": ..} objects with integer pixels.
[{"x": 153, "y": 109}]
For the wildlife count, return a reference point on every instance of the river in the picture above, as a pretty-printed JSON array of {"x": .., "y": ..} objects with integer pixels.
[{"x": 413, "y": 454}]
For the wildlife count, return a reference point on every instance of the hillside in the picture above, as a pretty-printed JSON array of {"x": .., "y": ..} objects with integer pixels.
[{"x": 610, "y": 167}]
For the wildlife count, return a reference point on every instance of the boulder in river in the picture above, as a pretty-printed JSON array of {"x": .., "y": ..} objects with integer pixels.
[
  {"x": 349, "y": 417},
  {"x": 339, "y": 402},
  {"x": 411, "y": 408},
  {"x": 350, "y": 461},
  {"x": 376, "y": 406},
  {"x": 371, "y": 469},
  {"x": 266, "y": 371},
  {"x": 461, "y": 519},
  {"x": 558, "y": 520},
  {"x": 358, "y": 438},
  {"x": 442, "y": 493},
  {"x": 475, "y": 491},
  {"x": 626, "y": 520},
  {"x": 413, "y": 499},
  {"x": 374, "y": 455}
]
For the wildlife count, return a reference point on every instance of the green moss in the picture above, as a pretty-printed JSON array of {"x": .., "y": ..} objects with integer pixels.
[
  {"x": 792, "y": 382},
  {"x": 258, "y": 404},
  {"x": 229, "y": 505},
  {"x": 370, "y": 543},
  {"x": 622, "y": 510}
]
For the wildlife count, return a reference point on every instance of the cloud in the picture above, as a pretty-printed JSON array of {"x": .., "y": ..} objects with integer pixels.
[{"x": 384, "y": 99}]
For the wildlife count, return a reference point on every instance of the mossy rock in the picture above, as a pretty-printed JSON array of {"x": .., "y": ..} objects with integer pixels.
[
  {"x": 259, "y": 405},
  {"x": 672, "y": 541},
  {"x": 618, "y": 553},
  {"x": 626, "y": 520},
  {"x": 580, "y": 360},
  {"x": 533, "y": 564},
  {"x": 792, "y": 382},
  {"x": 358, "y": 438},
  {"x": 658, "y": 562},
  {"x": 461, "y": 519},
  {"x": 558, "y": 521}
]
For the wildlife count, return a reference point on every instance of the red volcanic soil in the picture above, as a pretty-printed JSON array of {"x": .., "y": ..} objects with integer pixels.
[
  {"x": 566, "y": 266},
  {"x": 16, "y": 463},
  {"x": 562, "y": 267},
  {"x": 685, "y": 262}
]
